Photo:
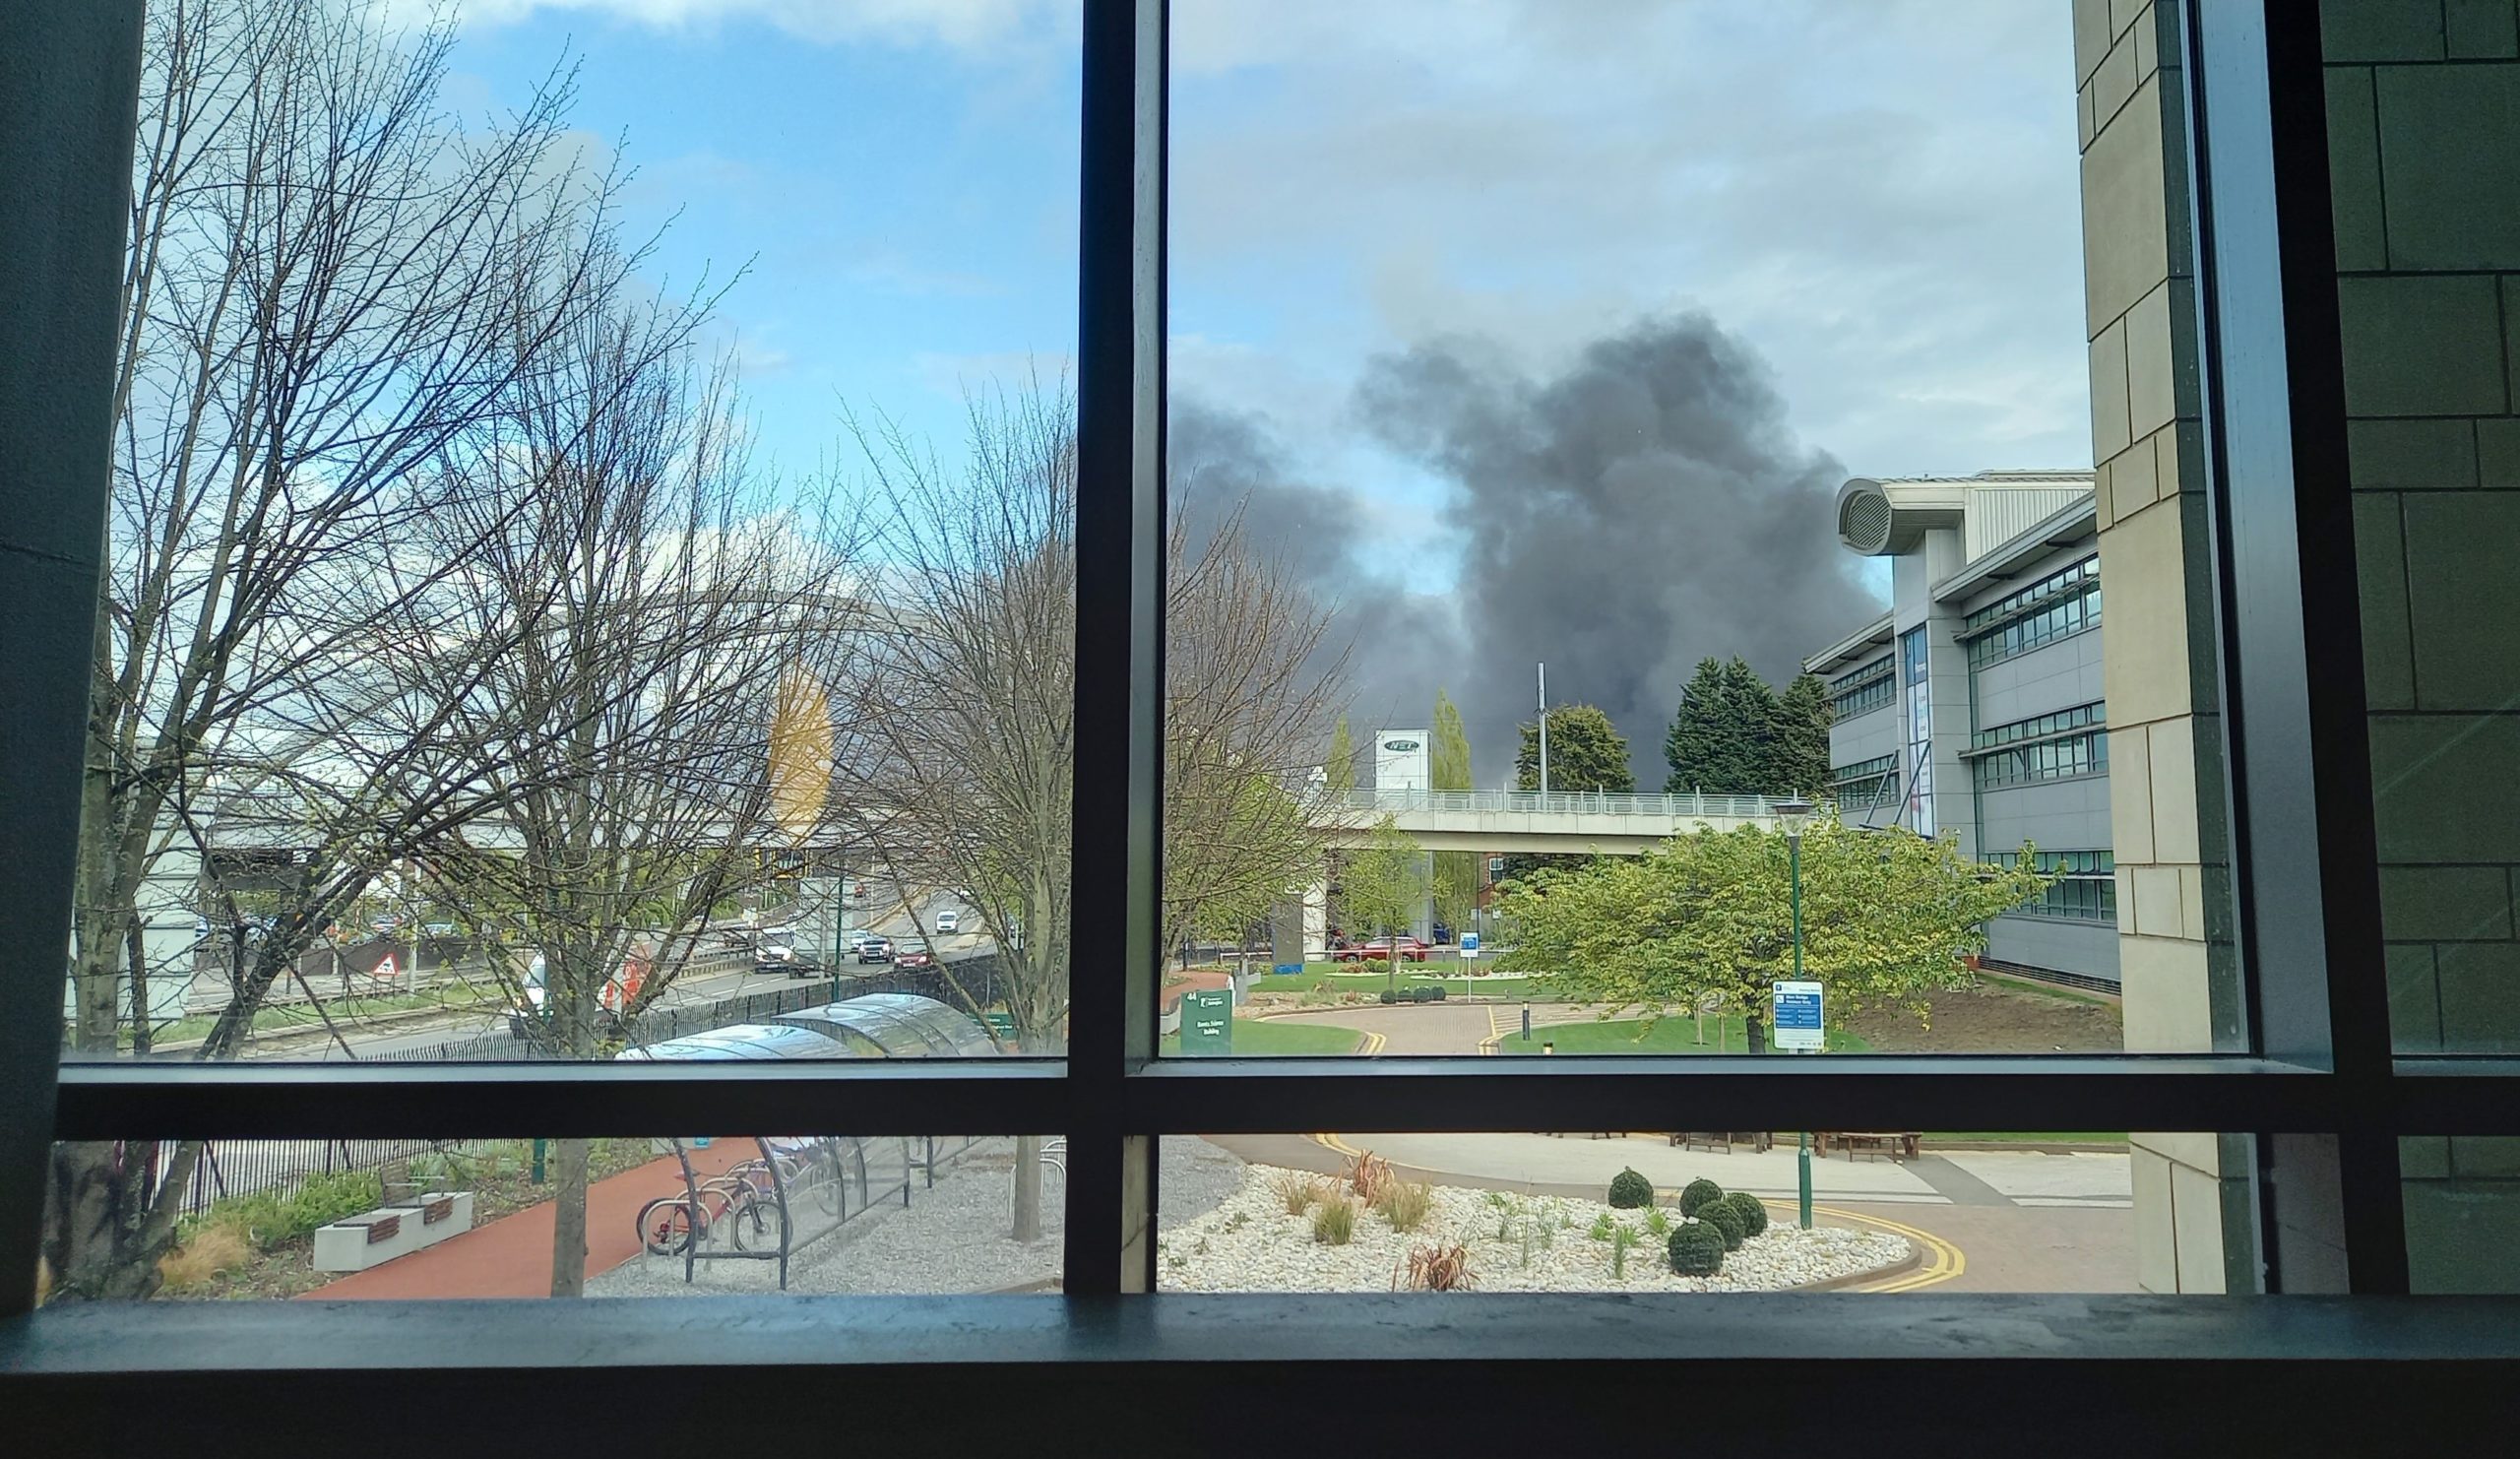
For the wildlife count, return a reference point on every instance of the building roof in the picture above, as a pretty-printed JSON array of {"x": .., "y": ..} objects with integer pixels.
[
  {"x": 1863, "y": 643},
  {"x": 1883, "y": 517}
]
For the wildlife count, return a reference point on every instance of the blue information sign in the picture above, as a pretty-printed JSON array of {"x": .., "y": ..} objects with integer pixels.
[{"x": 1796, "y": 1017}]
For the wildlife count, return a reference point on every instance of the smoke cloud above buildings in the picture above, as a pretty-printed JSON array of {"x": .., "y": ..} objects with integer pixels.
[{"x": 1640, "y": 509}]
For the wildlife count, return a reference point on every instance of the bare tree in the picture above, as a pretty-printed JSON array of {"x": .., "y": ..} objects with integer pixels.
[
  {"x": 321, "y": 290},
  {"x": 1248, "y": 694},
  {"x": 958, "y": 746},
  {"x": 648, "y": 725}
]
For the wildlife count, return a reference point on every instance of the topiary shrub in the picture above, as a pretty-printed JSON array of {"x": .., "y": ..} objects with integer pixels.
[
  {"x": 1696, "y": 1249},
  {"x": 1388, "y": 996},
  {"x": 1438, "y": 994},
  {"x": 1630, "y": 1191},
  {"x": 1754, "y": 1212},
  {"x": 1698, "y": 1194},
  {"x": 1726, "y": 1217}
]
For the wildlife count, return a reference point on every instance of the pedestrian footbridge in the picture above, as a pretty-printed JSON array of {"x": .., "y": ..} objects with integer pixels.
[{"x": 1565, "y": 821}]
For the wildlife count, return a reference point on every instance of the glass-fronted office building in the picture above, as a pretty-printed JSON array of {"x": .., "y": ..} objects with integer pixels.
[{"x": 1975, "y": 706}]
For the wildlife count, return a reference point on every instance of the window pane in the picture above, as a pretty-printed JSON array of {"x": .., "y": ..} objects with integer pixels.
[
  {"x": 649, "y": 607},
  {"x": 2433, "y": 447},
  {"x": 1483, "y": 397},
  {"x": 365, "y": 1220},
  {"x": 1959, "y": 1211},
  {"x": 2462, "y": 1212}
]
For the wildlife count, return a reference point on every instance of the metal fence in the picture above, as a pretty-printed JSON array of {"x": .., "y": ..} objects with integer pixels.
[
  {"x": 1567, "y": 802},
  {"x": 230, "y": 1168}
]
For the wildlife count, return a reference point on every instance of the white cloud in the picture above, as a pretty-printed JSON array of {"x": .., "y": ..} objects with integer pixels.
[{"x": 1881, "y": 198}]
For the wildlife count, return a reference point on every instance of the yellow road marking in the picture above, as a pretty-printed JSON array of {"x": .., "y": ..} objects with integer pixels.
[
  {"x": 1943, "y": 1260},
  {"x": 1373, "y": 1046},
  {"x": 1497, "y": 1029}
]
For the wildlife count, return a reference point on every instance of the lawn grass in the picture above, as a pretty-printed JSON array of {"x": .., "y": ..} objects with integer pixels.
[
  {"x": 1282, "y": 1037},
  {"x": 1674, "y": 1035},
  {"x": 2029, "y": 1137}
]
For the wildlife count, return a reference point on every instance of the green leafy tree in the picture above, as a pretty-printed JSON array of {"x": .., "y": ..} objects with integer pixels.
[
  {"x": 1707, "y": 919},
  {"x": 1384, "y": 882},
  {"x": 1339, "y": 769},
  {"x": 1721, "y": 739},
  {"x": 1735, "y": 735},
  {"x": 1586, "y": 752},
  {"x": 1800, "y": 750},
  {"x": 1448, "y": 768}
]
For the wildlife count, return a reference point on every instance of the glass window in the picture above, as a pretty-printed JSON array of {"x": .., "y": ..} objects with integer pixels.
[{"x": 665, "y": 616}]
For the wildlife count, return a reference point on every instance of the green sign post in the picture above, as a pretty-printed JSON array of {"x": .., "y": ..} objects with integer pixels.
[{"x": 1206, "y": 1023}]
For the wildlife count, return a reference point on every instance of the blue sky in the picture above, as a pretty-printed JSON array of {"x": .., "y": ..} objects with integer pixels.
[{"x": 1878, "y": 197}]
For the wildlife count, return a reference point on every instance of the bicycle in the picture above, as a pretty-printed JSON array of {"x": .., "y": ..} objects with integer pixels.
[{"x": 668, "y": 1224}]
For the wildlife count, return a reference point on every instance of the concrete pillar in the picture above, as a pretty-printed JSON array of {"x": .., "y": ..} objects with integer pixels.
[{"x": 2165, "y": 804}]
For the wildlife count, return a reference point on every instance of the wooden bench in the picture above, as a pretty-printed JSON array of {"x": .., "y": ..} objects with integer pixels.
[
  {"x": 1897, "y": 1144},
  {"x": 1757, "y": 1140}
]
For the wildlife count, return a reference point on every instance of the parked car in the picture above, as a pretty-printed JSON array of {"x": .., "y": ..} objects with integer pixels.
[
  {"x": 780, "y": 950},
  {"x": 873, "y": 948},
  {"x": 914, "y": 957},
  {"x": 1441, "y": 934},
  {"x": 949, "y": 921},
  {"x": 1412, "y": 950},
  {"x": 438, "y": 929}
]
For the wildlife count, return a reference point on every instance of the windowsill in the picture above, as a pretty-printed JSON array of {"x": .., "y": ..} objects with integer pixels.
[
  {"x": 1215, "y": 1374},
  {"x": 171, "y": 1338}
]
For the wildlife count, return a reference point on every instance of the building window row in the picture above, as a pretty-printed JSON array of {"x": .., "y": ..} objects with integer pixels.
[
  {"x": 2048, "y": 610},
  {"x": 2085, "y": 889},
  {"x": 2054, "y": 759},
  {"x": 2040, "y": 727},
  {"x": 1867, "y": 690},
  {"x": 1865, "y": 783}
]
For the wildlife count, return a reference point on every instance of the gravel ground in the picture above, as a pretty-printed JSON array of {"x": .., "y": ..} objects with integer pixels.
[
  {"x": 1249, "y": 1243},
  {"x": 948, "y": 1239}
]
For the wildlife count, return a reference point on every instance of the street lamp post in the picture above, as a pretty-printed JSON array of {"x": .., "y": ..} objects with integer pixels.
[{"x": 1791, "y": 815}]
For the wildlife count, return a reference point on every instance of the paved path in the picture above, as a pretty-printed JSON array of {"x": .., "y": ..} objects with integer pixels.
[
  {"x": 1449, "y": 1027},
  {"x": 512, "y": 1255}
]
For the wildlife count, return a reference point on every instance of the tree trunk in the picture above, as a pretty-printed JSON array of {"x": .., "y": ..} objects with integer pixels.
[
  {"x": 136, "y": 941},
  {"x": 1754, "y": 1031},
  {"x": 1028, "y": 1188},
  {"x": 569, "y": 1217}
]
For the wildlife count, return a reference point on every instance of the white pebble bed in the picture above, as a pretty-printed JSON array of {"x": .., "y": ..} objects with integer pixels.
[{"x": 1534, "y": 1244}]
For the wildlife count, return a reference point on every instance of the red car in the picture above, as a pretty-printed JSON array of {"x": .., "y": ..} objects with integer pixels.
[
  {"x": 1412, "y": 950},
  {"x": 914, "y": 957}
]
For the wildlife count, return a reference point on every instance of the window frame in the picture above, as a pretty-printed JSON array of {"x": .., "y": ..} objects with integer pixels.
[{"x": 2318, "y": 1082}]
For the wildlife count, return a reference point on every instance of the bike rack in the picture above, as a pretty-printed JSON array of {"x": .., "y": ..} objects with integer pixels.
[{"x": 839, "y": 1156}]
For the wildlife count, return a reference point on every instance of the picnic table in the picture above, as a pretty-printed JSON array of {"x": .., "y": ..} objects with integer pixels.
[{"x": 1899, "y": 1144}]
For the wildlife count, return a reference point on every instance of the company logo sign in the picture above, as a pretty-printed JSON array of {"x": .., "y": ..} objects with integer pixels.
[{"x": 1400, "y": 746}]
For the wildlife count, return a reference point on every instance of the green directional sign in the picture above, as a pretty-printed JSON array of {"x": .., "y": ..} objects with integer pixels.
[{"x": 1206, "y": 1023}]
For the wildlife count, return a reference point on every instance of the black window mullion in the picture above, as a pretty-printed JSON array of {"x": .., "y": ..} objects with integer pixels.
[
  {"x": 511, "y": 1101},
  {"x": 2294, "y": 713},
  {"x": 69, "y": 107},
  {"x": 1120, "y": 637}
]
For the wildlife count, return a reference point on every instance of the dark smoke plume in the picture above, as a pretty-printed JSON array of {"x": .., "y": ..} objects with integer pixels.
[{"x": 1642, "y": 510}]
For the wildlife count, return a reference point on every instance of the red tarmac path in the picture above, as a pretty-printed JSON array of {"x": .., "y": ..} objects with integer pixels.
[{"x": 512, "y": 1255}]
